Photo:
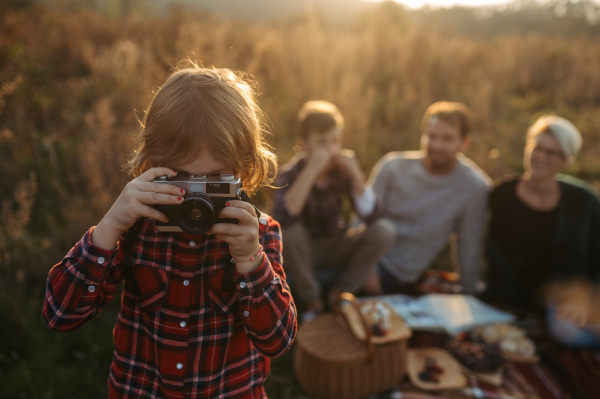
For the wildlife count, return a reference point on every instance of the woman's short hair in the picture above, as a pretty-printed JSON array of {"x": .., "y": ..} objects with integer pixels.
[
  {"x": 565, "y": 132},
  {"x": 318, "y": 117},
  {"x": 456, "y": 114},
  {"x": 205, "y": 110}
]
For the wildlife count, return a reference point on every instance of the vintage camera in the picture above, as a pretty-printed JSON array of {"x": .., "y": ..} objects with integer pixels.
[{"x": 205, "y": 197}]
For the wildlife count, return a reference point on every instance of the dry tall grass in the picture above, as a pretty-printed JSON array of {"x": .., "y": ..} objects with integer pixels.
[{"x": 71, "y": 82}]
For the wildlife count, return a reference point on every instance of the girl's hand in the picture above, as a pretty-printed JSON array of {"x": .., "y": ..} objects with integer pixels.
[
  {"x": 134, "y": 203},
  {"x": 242, "y": 237}
]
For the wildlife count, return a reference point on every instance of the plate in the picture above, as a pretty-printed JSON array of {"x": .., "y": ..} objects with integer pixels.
[
  {"x": 399, "y": 330},
  {"x": 452, "y": 377}
]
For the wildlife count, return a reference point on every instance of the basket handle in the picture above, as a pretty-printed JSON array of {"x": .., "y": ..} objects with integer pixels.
[{"x": 351, "y": 300}]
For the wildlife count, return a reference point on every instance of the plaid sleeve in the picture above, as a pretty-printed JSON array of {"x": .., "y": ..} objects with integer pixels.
[
  {"x": 266, "y": 305},
  {"x": 81, "y": 285}
]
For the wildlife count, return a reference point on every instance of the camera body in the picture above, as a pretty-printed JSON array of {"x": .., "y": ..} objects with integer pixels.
[{"x": 205, "y": 197}]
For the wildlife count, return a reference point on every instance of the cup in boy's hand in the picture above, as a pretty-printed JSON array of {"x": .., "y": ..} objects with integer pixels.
[{"x": 135, "y": 202}]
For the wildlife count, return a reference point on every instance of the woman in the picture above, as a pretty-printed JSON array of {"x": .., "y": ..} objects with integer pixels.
[{"x": 545, "y": 230}]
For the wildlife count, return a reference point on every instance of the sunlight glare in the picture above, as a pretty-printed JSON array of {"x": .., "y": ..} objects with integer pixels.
[{"x": 447, "y": 3}]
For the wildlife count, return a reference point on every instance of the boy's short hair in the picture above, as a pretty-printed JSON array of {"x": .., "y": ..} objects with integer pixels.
[
  {"x": 454, "y": 113},
  {"x": 318, "y": 116},
  {"x": 205, "y": 109}
]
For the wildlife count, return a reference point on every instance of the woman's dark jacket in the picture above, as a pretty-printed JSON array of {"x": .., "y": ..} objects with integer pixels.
[{"x": 573, "y": 248}]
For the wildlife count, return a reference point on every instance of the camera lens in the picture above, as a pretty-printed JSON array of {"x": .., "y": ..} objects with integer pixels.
[{"x": 196, "y": 213}]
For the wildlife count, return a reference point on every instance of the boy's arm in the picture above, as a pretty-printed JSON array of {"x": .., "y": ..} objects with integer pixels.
[
  {"x": 266, "y": 305},
  {"x": 297, "y": 194},
  {"x": 363, "y": 198},
  {"x": 81, "y": 285}
]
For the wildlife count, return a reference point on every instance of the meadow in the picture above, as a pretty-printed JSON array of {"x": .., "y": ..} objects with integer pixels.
[{"x": 74, "y": 82}]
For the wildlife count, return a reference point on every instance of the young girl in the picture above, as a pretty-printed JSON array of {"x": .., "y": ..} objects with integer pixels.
[{"x": 183, "y": 335}]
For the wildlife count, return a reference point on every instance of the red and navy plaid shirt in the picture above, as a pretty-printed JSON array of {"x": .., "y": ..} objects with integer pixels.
[{"x": 184, "y": 337}]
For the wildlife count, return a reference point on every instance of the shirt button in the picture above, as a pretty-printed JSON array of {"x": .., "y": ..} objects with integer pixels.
[
  {"x": 101, "y": 260},
  {"x": 179, "y": 366},
  {"x": 242, "y": 285},
  {"x": 186, "y": 282},
  {"x": 192, "y": 243},
  {"x": 91, "y": 288},
  {"x": 246, "y": 313},
  {"x": 183, "y": 324}
]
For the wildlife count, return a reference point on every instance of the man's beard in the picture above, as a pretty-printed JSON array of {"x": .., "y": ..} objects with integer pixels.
[{"x": 440, "y": 163}]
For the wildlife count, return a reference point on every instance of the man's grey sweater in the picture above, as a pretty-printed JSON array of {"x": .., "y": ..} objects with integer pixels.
[{"x": 426, "y": 209}]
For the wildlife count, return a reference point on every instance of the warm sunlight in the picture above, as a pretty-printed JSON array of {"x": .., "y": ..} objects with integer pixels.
[{"x": 448, "y": 3}]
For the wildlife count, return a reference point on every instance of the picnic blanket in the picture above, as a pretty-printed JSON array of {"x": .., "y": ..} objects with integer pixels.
[{"x": 561, "y": 374}]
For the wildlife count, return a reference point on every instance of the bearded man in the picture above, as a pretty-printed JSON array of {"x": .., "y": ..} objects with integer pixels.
[{"x": 429, "y": 195}]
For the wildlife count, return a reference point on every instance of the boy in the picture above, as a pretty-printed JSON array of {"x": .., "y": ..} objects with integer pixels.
[{"x": 309, "y": 205}]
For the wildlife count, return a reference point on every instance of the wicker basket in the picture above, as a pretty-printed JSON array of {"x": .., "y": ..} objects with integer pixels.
[{"x": 331, "y": 363}]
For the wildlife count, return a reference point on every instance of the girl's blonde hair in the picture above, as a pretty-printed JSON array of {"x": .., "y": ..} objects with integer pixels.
[{"x": 201, "y": 110}]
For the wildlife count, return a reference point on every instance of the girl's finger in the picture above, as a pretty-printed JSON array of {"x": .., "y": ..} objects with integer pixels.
[
  {"x": 160, "y": 188},
  {"x": 153, "y": 173},
  {"x": 149, "y": 212},
  {"x": 153, "y": 198},
  {"x": 242, "y": 205},
  {"x": 240, "y": 214},
  {"x": 229, "y": 229}
]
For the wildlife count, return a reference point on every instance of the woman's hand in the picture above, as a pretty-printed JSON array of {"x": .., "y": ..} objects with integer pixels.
[
  {"x": 574, "y": 312},
  {"x": 242, "y": 237},
  {"x": 134, "y": 203}
]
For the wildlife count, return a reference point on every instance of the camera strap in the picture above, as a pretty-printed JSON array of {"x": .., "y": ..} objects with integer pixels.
[{"x": 127, "y": 264}]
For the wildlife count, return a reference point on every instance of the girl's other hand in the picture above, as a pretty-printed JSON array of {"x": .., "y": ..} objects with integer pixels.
[
  {"x": 242, "y": 237},
  {"x": 134, "y": 203}
]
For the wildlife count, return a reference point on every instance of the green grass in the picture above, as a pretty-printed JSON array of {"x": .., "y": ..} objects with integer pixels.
[{"x": 36, "y": 362}]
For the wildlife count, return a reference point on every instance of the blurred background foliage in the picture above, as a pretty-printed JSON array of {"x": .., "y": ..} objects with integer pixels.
[{"x": 74, "y": 79}]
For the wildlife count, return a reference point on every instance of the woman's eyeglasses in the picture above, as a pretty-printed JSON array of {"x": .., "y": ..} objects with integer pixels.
[{"x": 551, "y": 155}]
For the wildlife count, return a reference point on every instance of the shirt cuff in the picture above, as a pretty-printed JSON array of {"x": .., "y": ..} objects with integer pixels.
[
  {"x": 255, "y": 282},
  {"x": 365, "y": 202},
  {"x": 95, "y": 260}
]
